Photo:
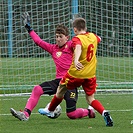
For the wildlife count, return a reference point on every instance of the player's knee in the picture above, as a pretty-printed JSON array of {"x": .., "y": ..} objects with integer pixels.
[
  {"x": 37, "y": 90},
  {"x": 72, "y": 115}
]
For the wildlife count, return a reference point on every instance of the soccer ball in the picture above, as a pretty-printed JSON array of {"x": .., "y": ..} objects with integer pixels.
[{"x": 57, "y": 111}]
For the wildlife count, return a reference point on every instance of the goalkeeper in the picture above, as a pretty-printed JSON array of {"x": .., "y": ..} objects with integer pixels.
[{"x": 61, "y": 53}]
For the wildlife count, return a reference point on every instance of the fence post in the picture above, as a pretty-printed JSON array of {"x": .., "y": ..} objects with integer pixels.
[
  {"x": 10, "y": 28},
  {"x": 74, "y": 4}
]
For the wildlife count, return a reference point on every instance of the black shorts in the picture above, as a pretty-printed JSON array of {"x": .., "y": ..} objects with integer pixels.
[{"x": 71, "y": 96}]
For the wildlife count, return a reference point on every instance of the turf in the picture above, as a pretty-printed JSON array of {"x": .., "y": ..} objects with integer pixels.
[
  {"x": 119, "y": 105},
  {"x": 16, "y": 69},
  {"x": 21, "y": 74}
]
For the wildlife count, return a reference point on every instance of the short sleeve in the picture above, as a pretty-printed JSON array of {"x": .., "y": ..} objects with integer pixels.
[
  {"x": 76, "y": 41},
  {"x": 98, "y": 39}
]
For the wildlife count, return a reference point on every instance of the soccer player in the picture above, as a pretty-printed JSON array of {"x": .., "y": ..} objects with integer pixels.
[
  {"x": 61, "y": 53},
  {"x": 82, "y": 71}
]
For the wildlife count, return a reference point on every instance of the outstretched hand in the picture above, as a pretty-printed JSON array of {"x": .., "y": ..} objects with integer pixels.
[
  {"x": 26, "y": 18},
  {"x": 26, "y": 21}
]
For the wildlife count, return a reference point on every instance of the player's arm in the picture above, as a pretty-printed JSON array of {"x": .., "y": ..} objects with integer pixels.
[
  {"x": 77, "y": 53},
  {"x": 38, "y": 41}
]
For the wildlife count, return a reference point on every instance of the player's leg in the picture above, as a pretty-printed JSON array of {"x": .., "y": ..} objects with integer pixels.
[
  {"x": 96, "y": 104},
  {"x": 31, "y": 103},
  {"x": 58, "y": 97},
  {"x": 61, "y": 90},
  {"x": 48, "y": 87},
  {"x": 71, "y": 97},
  {"x": 33, "y": 100},
  {"x": 56, "y": 100},
  {"x": 89, "y": 87}
]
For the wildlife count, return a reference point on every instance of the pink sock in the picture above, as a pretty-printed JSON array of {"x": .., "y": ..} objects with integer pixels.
[
  {"x": 78, "y": 113},
  {"x": 33, "y": 100}
]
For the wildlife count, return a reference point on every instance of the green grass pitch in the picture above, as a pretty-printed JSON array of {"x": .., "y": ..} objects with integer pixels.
[
  {"x": 20, "y": 74},
  {"x": 119, "y": 105},
  {"x": 13, "y": 72}
]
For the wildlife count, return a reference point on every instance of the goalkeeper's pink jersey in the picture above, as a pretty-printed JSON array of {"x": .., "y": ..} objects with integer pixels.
[{"x": 62, "y": 56}]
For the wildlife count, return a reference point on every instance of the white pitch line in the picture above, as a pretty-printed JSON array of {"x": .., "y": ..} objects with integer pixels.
[
  {"x": 11, "y": 114},
  {"x": 127, "y": 110}
]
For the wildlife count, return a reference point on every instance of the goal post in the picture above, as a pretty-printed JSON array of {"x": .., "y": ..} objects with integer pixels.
[{"x": 23, "y": 64}]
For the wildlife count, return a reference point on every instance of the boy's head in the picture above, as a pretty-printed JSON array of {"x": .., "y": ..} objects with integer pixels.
[
  {"x": 62, "y": 35},
  {"x": 79, "y": 25},
  {"x": 61, "y": 29}
]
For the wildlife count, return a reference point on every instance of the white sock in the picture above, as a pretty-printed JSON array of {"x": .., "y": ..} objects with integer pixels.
[
  {"x": 104, "y": 112},
  {"x": 90, "y": 107}
]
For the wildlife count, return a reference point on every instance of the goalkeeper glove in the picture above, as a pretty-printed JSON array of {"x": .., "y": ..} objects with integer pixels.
[{"x": 26, "y": 21}]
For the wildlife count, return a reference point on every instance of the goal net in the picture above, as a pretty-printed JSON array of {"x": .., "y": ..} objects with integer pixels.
[{"x": 23, "y": 64}]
